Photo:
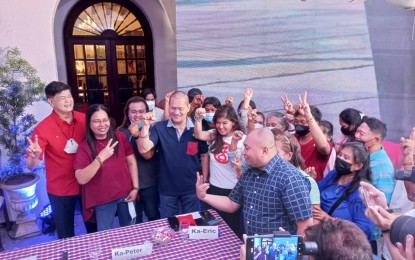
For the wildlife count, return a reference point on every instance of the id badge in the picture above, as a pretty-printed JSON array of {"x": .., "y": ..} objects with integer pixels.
[{"x": 71, "y": 146}]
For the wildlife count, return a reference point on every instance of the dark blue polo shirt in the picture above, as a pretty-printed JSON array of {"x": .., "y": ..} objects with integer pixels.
[{"x": 178, "y": 158}]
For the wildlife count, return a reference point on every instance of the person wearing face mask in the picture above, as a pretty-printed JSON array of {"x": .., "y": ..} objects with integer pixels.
[
  {"x": 150, "y": 97},
  {"x": 315, "y": 148},
  {"x": 276, "y": 120},
  {"x": 340, "y": 197},
  {"x": 371, "y": 132},
  {"x": 349, "y": 120},
  {"x": 210, "y": 104}
]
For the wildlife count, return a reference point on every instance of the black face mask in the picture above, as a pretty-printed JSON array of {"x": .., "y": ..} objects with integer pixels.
[
  {"x": 345, "y": 131},
  {"x": 342, "y": 167},
  {"x": 302, "y": 130}
]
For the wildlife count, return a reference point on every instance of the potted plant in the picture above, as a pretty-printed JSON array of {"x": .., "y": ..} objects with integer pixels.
[{"x": 20, "y": 87}]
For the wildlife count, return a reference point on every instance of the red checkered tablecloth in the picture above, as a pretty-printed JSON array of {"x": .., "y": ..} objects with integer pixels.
[{"x": 226, "y": 247}]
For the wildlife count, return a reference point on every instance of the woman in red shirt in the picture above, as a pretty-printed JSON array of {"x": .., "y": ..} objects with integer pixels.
[{"x": 106, "y": 168}]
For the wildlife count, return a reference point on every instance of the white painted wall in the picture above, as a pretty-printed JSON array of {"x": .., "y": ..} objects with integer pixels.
[{"x": 36, "y": 28}]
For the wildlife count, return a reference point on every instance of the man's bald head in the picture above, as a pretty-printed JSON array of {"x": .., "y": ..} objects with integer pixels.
[
  {"x": 259, "y": 148},
  {"x": 180, "y": 95}
]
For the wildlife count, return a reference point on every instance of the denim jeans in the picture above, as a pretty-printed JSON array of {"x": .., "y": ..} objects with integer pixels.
[
  {"x": 149, "y": 202},
  {"x": 105, "y": 214},
  {"x": 169, "y": 205},
  {"x": 63, "y": 208}
]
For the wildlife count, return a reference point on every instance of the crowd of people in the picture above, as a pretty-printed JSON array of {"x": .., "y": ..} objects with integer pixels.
[{"x": 260, "y": 172}]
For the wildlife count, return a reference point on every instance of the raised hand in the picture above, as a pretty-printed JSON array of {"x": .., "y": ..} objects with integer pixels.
[
  {"x": 108, "y": 151},
  {"x": 149, "y": 118},
  {"x": 134, "y": 130},
  {"x": 229, "y": 101},
  {"x": 248, "y": 94},
  {"x": 34, "y": 148},
  {"x": 198, "y": 100},
  {"x": 167, "y": 96},
  {"x": 237, "y": 135},
  {"x": 304, "y": 107},
  {"x": 200, "y": 113},
  {"x": 407, "y": 145},
  {"x": 201, "y": 187},
  {"x": 288, "y": 106}
]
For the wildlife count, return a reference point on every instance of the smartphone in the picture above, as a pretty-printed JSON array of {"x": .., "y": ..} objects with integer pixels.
[
  {"x": 209, "y": 218},
  {"x": 206, "y": 215},
  {"x": 363, "y": 191},
  {"x": 274, "y": 247},
  {"x": 174, "y": 223}
]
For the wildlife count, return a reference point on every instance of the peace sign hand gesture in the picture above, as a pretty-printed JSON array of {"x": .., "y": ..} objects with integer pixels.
[
  {"x": 34, "y": 148},
  {"x": 304, "y": 107},
  {"x": 288, "y": 106},
  {"x": 108, "y": 151}
]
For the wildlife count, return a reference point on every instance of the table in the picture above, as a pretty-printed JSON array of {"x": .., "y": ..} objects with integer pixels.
[{"x": 225, "y": 247}]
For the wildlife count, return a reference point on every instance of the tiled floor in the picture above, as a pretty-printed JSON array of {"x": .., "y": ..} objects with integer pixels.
[{"x": 10, "y": 244}]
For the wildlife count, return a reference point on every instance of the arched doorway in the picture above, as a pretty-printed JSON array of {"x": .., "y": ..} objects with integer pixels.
[{"x": 109, "y": 54}]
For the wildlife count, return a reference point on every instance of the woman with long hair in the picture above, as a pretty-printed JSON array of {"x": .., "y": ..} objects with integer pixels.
[
  {"x": 106, "y": 168},
  {"x": 148, "y": 169},
  {"x": 340, "y": 197},
  {"x": 223, "y": 176}
]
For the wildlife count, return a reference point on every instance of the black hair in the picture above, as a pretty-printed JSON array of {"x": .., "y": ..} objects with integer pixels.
[
  {"x": 90, "y": 137},
  {"x": 214, "y": 101},
  {"x": 230, "y": 113},
  {"x": 351, "y": 116},
  {"x": 360, "y": 155},
  {"x": 251, "y": 104},
  {"x": 315, "y": 112},
  {"x": 147, "y": 91},
  {"x": 376, "y": 126},
  {"x": 55, "y": 87},
  {"x": 328, "y": 126},
  {"x": 136, "y": 99}
]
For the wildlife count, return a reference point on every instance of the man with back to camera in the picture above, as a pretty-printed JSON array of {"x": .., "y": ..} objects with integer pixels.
[
  {"x": 273, "y": 193},
  {"x": 178, "y": 152},
  {"x": 57, "y": 138}
]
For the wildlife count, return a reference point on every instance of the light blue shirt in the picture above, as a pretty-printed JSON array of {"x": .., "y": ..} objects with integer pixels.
[{"x": 383, "y": 174}]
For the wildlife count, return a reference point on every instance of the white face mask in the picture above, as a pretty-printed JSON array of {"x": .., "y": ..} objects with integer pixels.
[
  {"x": 258, "y": 125},
  {"x": 270, "y": 127},
  {"x": 151, "y": 104},
  {"x": 209, "y": 117}
]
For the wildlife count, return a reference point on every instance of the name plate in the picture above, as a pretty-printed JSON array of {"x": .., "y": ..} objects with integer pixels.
[
  {"x": 132, "y": 251},
  {"x": 203, "y": 232}
]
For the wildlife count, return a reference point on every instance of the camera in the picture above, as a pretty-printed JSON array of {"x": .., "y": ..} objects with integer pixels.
[
  {"x": 405, "y": 175},
  {"x": 401, "y": 227},
  {"x": 281, "y": 245}
]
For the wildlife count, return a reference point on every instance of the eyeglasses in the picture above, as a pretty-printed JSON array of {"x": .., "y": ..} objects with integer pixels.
[{"x": 102, "y": 121}]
